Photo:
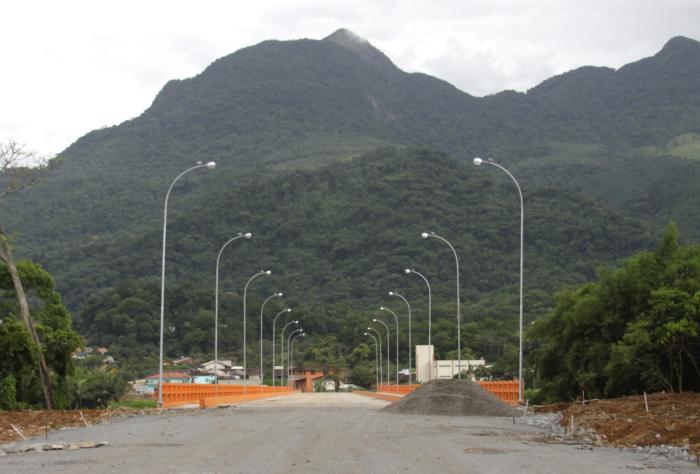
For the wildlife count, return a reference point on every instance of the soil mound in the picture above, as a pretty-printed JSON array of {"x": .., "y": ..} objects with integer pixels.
[{"x": 451, "y": 397}]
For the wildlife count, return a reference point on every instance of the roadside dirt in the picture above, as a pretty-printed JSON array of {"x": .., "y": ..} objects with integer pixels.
[
  {"x": 673, "y": 419},
  {"x": 36, "y": 422}
]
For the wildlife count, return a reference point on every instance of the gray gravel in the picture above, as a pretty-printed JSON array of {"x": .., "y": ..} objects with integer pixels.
[{"x": 308, "y": 433}]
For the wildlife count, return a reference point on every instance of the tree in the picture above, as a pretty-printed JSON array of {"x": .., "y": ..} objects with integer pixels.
[{"x": 17, "y": 172}]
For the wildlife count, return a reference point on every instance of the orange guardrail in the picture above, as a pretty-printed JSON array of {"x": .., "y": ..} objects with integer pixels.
[
  {"x": 382, "y": 396},
  {"x": 398, "y": 389},
  {"x": 175, "y": 394},
  {"x": 505, "y": 390}
]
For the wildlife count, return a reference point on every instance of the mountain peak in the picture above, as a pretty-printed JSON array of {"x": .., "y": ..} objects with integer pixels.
[
  {"x": 347, "y": 38},
  {"x": 680, "y": 46}
]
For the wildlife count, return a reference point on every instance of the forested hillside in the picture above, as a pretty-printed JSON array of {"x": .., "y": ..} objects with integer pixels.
[{"x": 337, "y": 160}]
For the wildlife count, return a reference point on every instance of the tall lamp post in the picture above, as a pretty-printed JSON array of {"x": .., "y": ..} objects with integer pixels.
[
  {"x": 430, "y": 299},
  {"x": 376, "y": 358},
  {"x": 396, "y": 320},
  {"x": 262, "y": 310},
  {"x": 426, "y": 235},
  {"x": 245, "y": 318},
  {"x": 479, "y": 162},
  {"x": 209, "y": 165},
  {"x": 282, "y": 347},
  {"x": 274, "y": 322},
  {"x": 410, "y": 347},
  {"x": 289, "y": 361},
  {"x": 388, "y": 377},
  {"x": 379, "y": 338},
  {"x": 247, "y": 235}
]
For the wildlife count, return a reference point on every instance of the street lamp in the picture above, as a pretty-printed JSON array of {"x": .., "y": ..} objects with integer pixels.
[
  {"x": 262, "y": 309},
  {"x": 282, "y": 345},
  {"x": 430, "y": 299},
  {"x": 274, "y": 321},
  {"x": 245, "y": 318},
  {"x": 210, "y": 165},
  {"x": 379, "y": 338},
  {"x": 289, "y": 361},
  {"x": 479, "y": 162},
  {"x": 376, "y": 359},
  {"x": 410, "y": 347},
  {"x": 247, "y": 235},
  {"x": 396, "y": 320},
  {"x": 388, "y": 377},
  {"x": 426, "y": 235}
]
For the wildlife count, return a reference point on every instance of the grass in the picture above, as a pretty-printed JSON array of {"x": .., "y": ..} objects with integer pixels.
[{"x": 132, "y": 403}]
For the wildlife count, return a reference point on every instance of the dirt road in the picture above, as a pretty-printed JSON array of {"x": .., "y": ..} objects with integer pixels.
[{"x": 322, "y": 433}]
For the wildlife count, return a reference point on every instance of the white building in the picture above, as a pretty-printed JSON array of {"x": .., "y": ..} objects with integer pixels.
[{"x": 428, "y": 369}]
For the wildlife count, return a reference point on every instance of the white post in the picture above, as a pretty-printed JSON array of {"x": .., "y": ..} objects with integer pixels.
[
  {"x": 410, "y": 346},
  {"x": 521, "y": 381},
  {"x": 216, "y": 305},
  {"x": 262, "y": 310},
  {"x": 425, "y": 235},
  {"x": 245, "y": 318},
  {"x": 381, "y": 371},
  {"x": 210, "y": 165},
  {"x": 388, "y": 376},
  {"x": 396, "y": 320},
  {"x": 430, "y": 300},
  {"x": 274, "y": 322}
]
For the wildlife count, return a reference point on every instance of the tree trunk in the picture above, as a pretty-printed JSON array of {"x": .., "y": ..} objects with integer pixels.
[{"x": 6, "y": 256}]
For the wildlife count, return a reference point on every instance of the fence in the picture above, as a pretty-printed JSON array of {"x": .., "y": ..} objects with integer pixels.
[
  {"x": 206, "y": 395},
  {"x": 504, "y": 390}
]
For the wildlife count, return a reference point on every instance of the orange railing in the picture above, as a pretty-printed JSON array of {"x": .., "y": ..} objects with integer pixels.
[
  {"x": 205, "y": 394},
  {"x": 505, "y": 390},
  {"x": 398, "y": 389}
]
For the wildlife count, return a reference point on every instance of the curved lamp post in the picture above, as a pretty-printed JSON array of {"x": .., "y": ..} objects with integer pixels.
[
  {"x": 410, "y": 347},
  {"x": 282, "y": 347},
  {"x": 396, "y": 320},
  {"x": 262, "y": 310},
  {"x": 245, "y": 318},
  {"x": 479, "y": 162},
  {"x": 379, "y": 338},
  {"x": 289, "y": 361},
  {"x": 247, "y": 235},
  {"x": 376, "y": 359},
  {"x": 430, "y": 299},
  {"x": 209, "y": 165},
  {"x": 388, "y": 377},
  {"x": 426, "y": 235},
  {"x": 274, "y": 322}
]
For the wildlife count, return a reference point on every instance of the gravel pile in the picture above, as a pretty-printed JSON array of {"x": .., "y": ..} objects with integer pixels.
[{"x": 452, "y": 398}]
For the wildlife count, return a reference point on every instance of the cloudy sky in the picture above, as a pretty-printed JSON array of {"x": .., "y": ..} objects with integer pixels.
[{"x": 72, "y": 66}]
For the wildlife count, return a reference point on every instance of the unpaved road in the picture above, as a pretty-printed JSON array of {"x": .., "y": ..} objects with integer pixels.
[{"x": 323, "y": 433}]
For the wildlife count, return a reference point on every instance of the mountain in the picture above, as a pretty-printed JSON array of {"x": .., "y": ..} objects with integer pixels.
[{"x": 605, "y": 158}]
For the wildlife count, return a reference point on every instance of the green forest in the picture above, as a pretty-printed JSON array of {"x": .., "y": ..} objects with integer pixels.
[{"x": 336, "y": 161}]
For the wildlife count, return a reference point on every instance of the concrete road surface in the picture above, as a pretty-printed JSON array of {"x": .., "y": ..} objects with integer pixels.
[{"x": 323, "y": 433}]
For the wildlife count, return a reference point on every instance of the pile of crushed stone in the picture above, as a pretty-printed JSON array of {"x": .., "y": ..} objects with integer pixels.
[{"x": 452, "y": 398}]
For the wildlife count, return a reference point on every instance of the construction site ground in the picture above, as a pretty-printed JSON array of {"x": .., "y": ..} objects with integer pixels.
[
  {"x": 672, "y": 419},
  {"x": 324, "y": 433}
]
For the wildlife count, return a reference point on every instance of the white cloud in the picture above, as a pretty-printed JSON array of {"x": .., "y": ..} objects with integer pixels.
[{"x": 70, "y": 67}]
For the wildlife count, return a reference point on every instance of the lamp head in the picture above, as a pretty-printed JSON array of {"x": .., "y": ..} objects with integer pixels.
[
  {"x": 374, "y": 320},
  {"x": 478, "y": 161},
  {"x": 408, "y": 271},
  {"x": 268, "y": 272},
  {"x": 365, "y": 334},
  {"x": 382, "y": 308},
  {"x": 211, "y": 165},
  {"x": 247, "y": 235},
  {"x": 425, "y": 235},
  {"x": 296, "y": 322},
  {"x": 368, "y": 328},
  {"x": 289, "y": 310},
  {"x": 279, "y": 294},
  {"x": 391, "y": 293}
]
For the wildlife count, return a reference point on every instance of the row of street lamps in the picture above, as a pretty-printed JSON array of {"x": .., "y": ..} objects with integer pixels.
[
  {"x": 408, "y": 271},
  {"x": 425, "y": 235}
]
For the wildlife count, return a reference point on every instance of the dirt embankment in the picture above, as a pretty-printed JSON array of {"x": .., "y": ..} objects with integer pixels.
[
  {"x": 452, "y": 398},
  {"x": 673, "y": 419},
  {"x": 35, "y": 422}
]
